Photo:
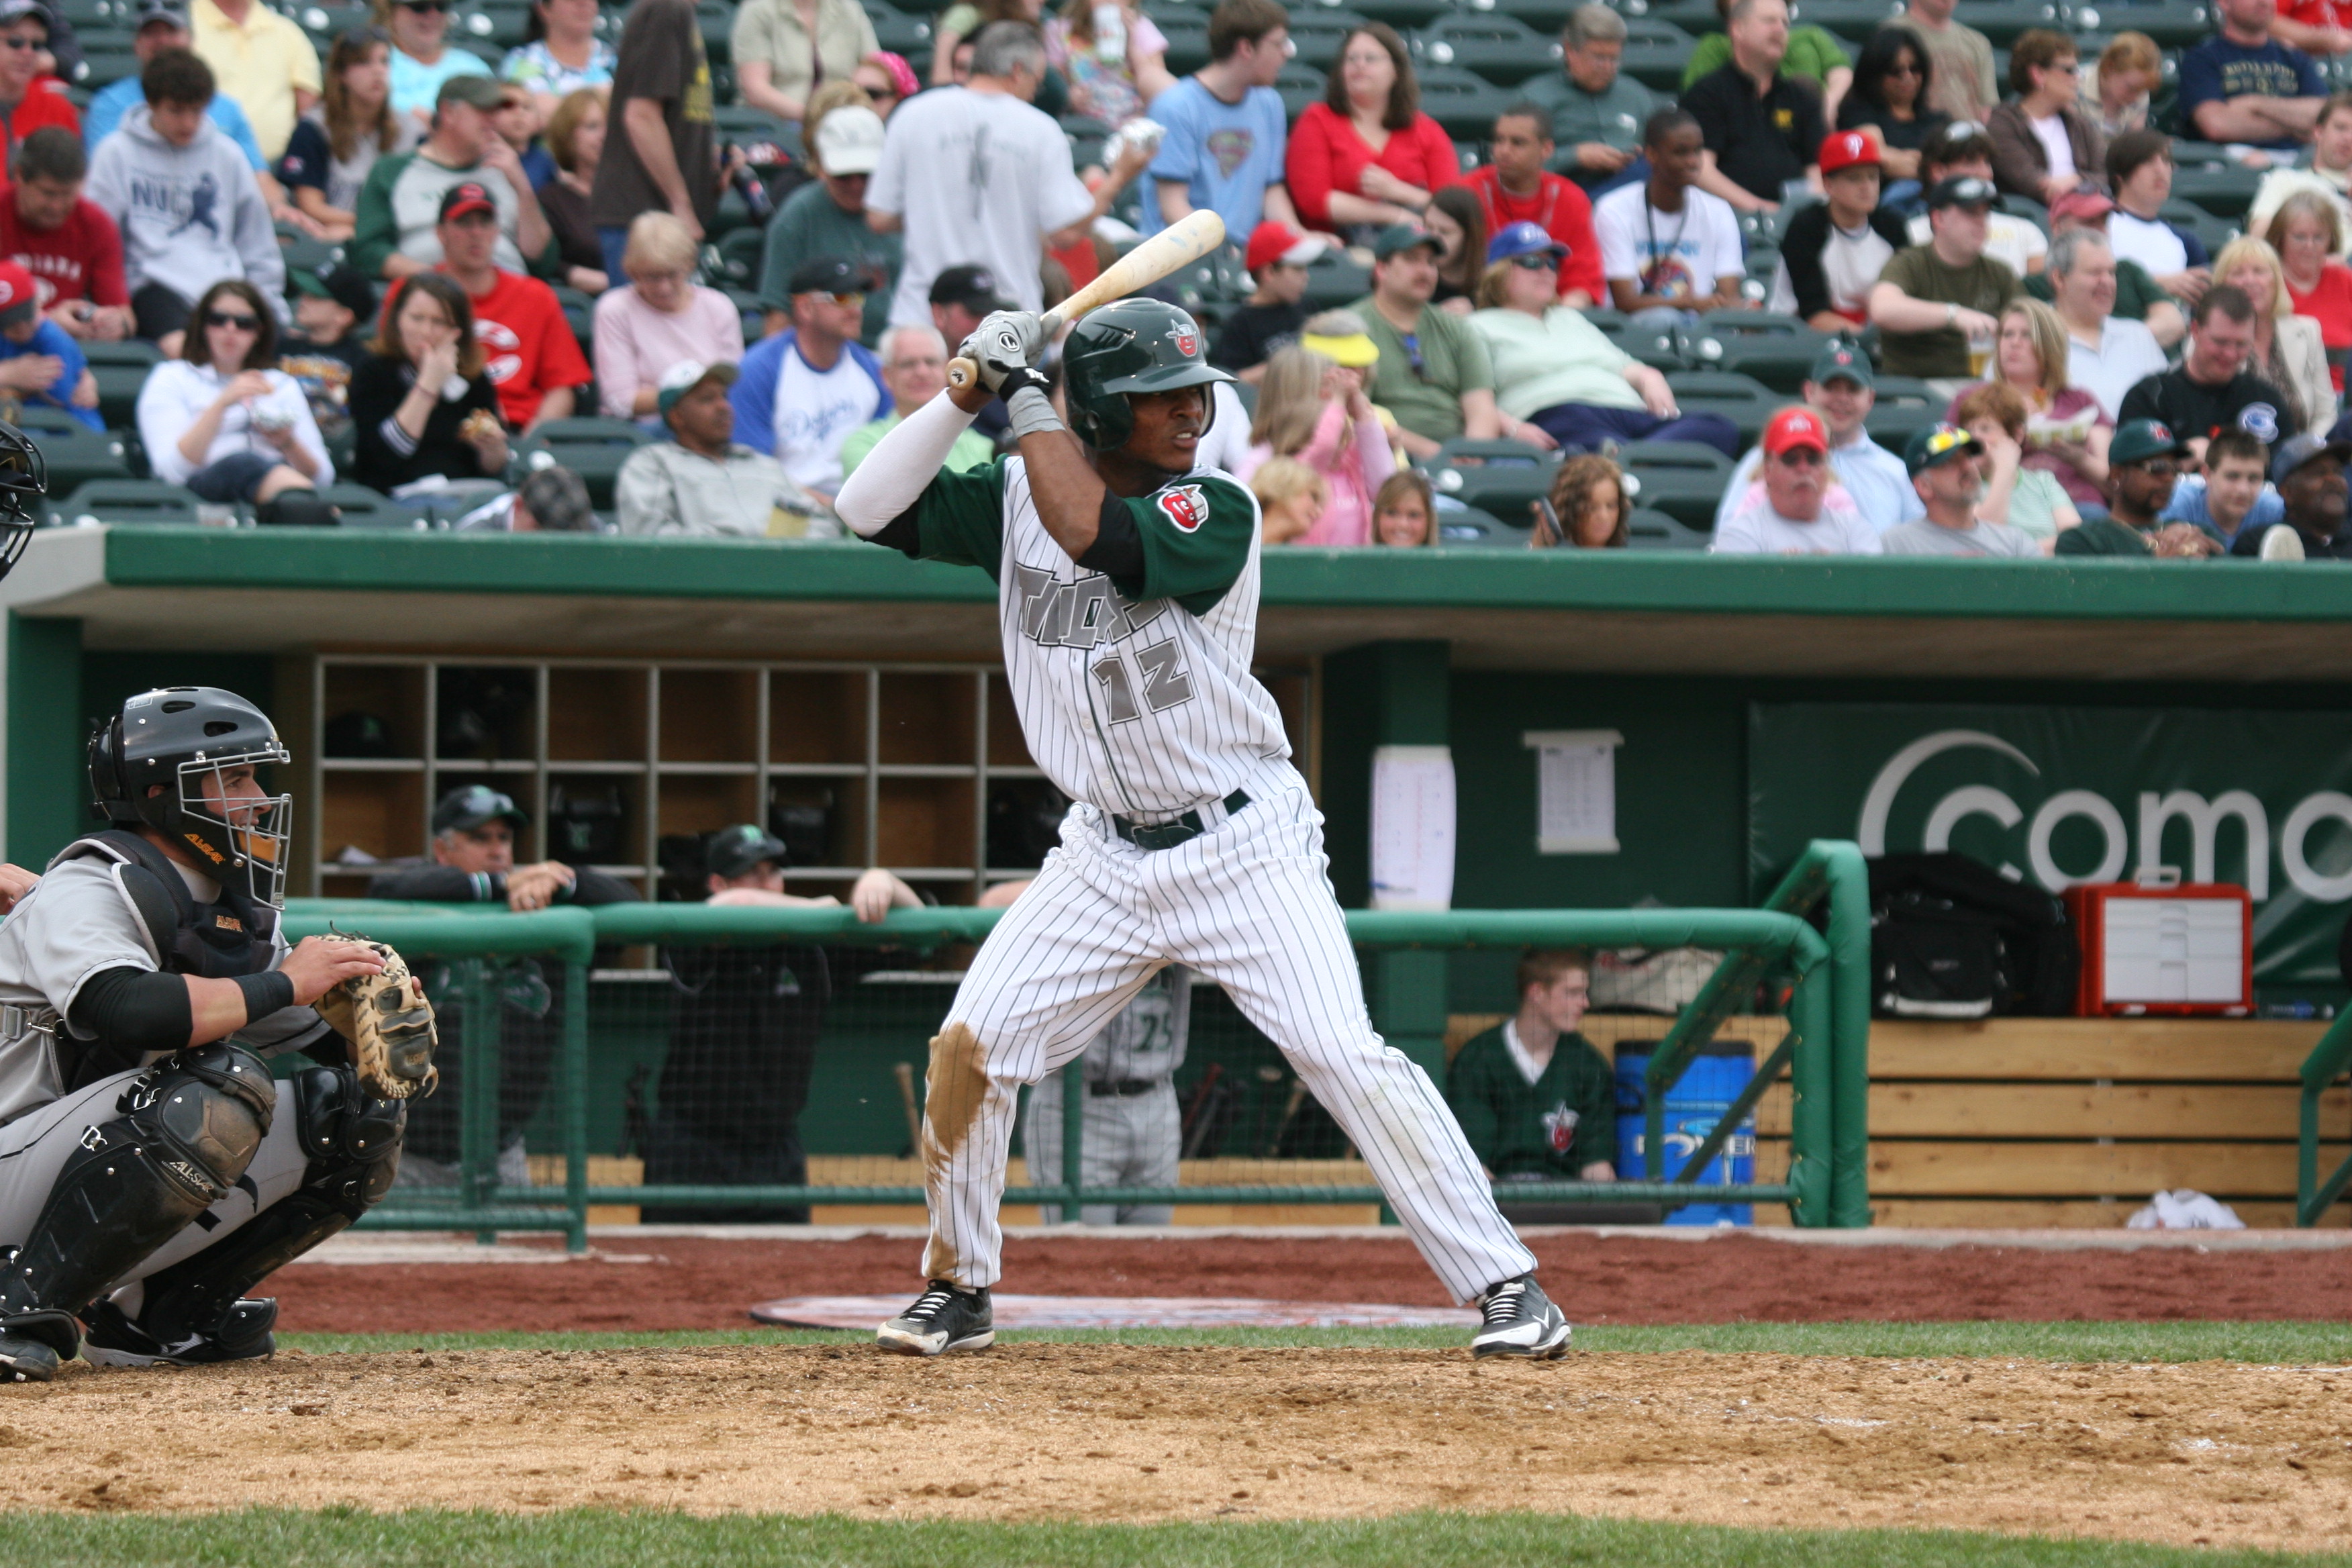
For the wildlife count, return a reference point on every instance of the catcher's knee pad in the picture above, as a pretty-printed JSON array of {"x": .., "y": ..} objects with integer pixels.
[
  {"x": 351, "y": 1140},
  {"x": 189, "y": 1127},
  {"x": 353, "y": 1144}
]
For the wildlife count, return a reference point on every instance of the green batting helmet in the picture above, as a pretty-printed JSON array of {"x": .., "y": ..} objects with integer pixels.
[{"x": 1135, "y": 346}]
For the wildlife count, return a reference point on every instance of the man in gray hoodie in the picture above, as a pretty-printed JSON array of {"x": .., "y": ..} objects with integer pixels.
[{"x": 185, "y": 199}]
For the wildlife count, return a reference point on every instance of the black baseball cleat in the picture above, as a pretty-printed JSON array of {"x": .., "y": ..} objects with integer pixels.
[
  {"x": 245, "y": 1335},
  {"x": 1521, "y": 1321},
  {"x": 942, "y": 1320}
]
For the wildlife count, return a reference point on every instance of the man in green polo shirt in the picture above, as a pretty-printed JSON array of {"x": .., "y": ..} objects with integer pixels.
[
  {"x": 2138, "y": 297},
  {"x": 1434, "y": 373},
  {"x": 1534, "y": 1099}
]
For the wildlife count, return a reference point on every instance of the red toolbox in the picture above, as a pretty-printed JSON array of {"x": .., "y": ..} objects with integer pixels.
[{"x": 2146, "y": 948}]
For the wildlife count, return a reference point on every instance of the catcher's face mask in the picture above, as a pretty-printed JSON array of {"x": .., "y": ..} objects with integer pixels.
[{"x": 240, "y": 833}]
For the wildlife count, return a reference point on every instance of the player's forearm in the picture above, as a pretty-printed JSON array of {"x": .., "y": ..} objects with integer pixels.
[
  {"x": 895, "y": 474},
  {"x": 1069, "y": 494}
]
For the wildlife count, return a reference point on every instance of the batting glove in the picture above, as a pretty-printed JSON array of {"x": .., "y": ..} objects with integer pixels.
[{"x": 1007, "y": 340}]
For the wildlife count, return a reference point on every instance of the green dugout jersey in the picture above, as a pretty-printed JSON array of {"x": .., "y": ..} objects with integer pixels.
[
  {"x": 1563, "y": 1122},
  {"x": 1131, "y": 671}
]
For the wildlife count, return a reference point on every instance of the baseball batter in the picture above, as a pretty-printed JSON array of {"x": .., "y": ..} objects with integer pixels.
[
  {"x": 152, "y": 1172},
  {"x": 1128, "y": 591}
]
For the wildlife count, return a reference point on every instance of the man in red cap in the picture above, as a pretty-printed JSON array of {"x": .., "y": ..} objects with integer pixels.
[
  {"x": 38, "y": 362},
  {"x": 1277, "y": 259},
  {"x": 1796, "y": 511},
  {"x": 527, "y": 345},
  {"x": 1832, "y": 252},
  {"x": 1515, "y": 188}
]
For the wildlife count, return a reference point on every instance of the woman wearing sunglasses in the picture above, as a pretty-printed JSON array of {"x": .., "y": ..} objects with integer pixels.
[
  {"x": 422, "y": 59},
  {"x": 220, "y": 421},
  {"x": 422, "y": 404},
  {"x": 1558, "y": 382}
]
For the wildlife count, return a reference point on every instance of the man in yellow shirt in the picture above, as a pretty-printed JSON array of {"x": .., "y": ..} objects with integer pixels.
[{"x": 262, "y": 60}]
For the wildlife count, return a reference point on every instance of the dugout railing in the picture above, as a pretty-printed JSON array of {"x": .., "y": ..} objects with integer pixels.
[
  {"x": 2328, "y": 1061},
  {"x": 473, "y": 956}
]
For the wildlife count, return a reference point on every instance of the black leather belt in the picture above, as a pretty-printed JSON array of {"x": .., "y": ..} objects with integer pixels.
[
  {"x": 1168, "y": 835},
  {"x": 1125, "y": 1088}
]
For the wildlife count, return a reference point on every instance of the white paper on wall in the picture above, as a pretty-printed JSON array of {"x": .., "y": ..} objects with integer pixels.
[
  {"x": 1575, "y": 790},
  {"x": 1413, "y": 827}
]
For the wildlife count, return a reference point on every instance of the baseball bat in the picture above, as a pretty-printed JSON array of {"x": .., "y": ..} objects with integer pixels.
[
  {"x": 1177, "y": 245},
  {"x": 906, "y": 1076}
]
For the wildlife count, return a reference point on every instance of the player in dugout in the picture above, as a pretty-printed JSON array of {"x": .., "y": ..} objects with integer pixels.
[{"x": 1536, "y": 1101}]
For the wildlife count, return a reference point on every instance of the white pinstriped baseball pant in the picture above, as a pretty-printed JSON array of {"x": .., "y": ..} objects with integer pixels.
[{"x": 1250, "y": 905}]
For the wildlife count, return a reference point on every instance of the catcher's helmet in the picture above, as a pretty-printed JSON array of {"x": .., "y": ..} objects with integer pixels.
[
  {"x": 1135, "y": 346},
  {"x": 178, "y": 737},
  {"x": 23, "y": 480}
]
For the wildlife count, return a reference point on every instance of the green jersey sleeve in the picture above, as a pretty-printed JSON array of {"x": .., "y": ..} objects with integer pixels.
[
  {"x": 1196, "y": 534},
  {"x": 959, "y": 520}
]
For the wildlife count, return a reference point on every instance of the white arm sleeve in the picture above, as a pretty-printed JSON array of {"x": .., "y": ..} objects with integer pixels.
[{"x": 902, "y": 465}]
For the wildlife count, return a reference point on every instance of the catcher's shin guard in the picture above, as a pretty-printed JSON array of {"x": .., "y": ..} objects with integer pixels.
[
  {"x": 190, "y": 1125},
  {"x": 353, "y": 1143}
]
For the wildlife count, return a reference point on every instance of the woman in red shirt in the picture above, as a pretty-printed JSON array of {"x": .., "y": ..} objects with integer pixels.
[
  {"x": 1366, "y": 156},
  {"x": 2305, "y": 234}
]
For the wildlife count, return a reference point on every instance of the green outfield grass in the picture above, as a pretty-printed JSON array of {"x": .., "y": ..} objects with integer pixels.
[
  {"x": 597, "y": 1539},
  {"x": 2297, "y": 1344}
]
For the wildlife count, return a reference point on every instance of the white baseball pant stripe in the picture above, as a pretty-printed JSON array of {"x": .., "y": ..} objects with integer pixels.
[{"x": 1249, "y": 904}]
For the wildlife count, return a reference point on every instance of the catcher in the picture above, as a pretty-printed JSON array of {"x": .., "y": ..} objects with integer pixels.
[{"x": 152, "y": 1172}]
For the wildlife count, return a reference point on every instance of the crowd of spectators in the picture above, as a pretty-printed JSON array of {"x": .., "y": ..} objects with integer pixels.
[{"x": 527, "y": 242}]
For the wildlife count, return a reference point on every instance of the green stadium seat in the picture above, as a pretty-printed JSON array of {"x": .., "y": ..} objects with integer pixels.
[
  {"x": 1685, "y": 480},
  {"x": 124, "y": 501},
  {"x": 1656, "y": 53},
  {"x": 1404, "y": 16},
  {"x": 1464, "y": 103},
  {"x": 901, "y": 34},
  {"x": 1333, "y": 280},
  {"x": 1852, "y": 20},
  {"x": 1547, "y": 17},
  {"x": 1317, "y": 33},
  {"x": 1650, "y": 529},
  {"x": 592, "y": 448},
  {"x": 2214, "y": 232},
  {"x": 1660, "y": 348},
  {"x": 1778, "y": 350},
  {"x": 717, "y": 20},
  {"x": 1188, "y": 42},
  {"x": 2225, "y": 189},
  {"x": 1903, "y": 408},
  {"x": 738, "y": 258},
  {"x": 1507, "y": 479},
  {"x": 364, "y": 507},
  {"x": 1466, "y": 527},
  {"x": 2172, "y": 24},
  {"x": 1299, "y": 86},
  {"x": 503, "y": 26},
  {"x": 1503, "y": 49},
  {"x": 73, "y": 452},
  {"x": 122, "y": 370},
  {"x": 1742, "y": 399},
  {"x": 104, "y": 67}
]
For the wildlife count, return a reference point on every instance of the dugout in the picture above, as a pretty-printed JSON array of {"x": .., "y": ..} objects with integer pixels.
[{"x": 2069, "y": 717}]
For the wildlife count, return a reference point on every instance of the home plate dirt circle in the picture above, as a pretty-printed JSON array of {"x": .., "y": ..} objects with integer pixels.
[{"x": 2228, "y": 1454}]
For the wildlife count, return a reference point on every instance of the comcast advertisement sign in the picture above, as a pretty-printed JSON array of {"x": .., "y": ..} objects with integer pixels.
[{"x": 2061, "y": 795}]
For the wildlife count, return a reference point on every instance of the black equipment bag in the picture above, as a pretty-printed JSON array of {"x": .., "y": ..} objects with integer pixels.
[{"x": 1952, "y": 938}]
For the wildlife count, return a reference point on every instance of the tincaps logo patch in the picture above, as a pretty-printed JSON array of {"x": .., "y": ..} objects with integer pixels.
[
  {"x": 2161, "y": 430},
  {"x": 1185, "y": 507},
  {"x": 1187, "y": 340}
]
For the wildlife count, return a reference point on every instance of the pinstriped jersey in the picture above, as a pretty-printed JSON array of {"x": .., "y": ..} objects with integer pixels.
[{"x": 1135, "y": 693}]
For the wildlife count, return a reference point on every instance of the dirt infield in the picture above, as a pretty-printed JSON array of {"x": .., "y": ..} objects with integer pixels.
[
  {"x": 2223, "y": 1453},
  {"x": 690, "y": 1282}
]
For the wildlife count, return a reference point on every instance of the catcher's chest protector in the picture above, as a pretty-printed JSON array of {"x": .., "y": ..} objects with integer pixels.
[{"x": 231, "y": 937}]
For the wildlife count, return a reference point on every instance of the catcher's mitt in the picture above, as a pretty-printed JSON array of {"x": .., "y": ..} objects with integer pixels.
[{"x": 390, "y": 1027}]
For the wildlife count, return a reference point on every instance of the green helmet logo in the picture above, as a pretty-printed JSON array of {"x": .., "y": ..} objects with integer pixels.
[{"x": 1134, "y": 345}]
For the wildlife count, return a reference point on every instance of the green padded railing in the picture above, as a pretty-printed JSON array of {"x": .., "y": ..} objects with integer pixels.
[{"x": 1824, "y": 1050}]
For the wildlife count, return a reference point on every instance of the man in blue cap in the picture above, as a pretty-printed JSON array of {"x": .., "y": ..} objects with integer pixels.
[{"x": 1841, "y": 390}]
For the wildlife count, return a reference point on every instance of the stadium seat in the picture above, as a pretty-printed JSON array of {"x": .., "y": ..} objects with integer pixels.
[
  {"x": 1503, "y": 49},
  {"x": 1546, "y": 16},
  {"x": 900, "y": 33},
  {"x": 592, "y": 448},
  {"x": 1656, "y": 53},
  {"x": 1508, "y": 478},
  {"x": 1333, "y": 280},
  {"x": 738, "y": 258},
  {"x": 1460, "y": 526},
  {"x": 105, "y": 64},
  {"x": 1404, "y": 16},
  {"x": 74, "y": 453},
  {"x": 2225, "y": 189},
  {"x": 503, "y": 26},
  {"x": 1742, "y": 399},
  {"x": 2003, "y": 22},
  {"x": 1188, "y": 41},
  {"x": 2172, "y": 24},
  {"x": 122, "y": 370},
  {"x": 1464, "y": 103},
  {"x": 2213, "y": 232},
  {"x": 307, "y": 252},
  {"x": 1660, "y": 348},
  {"x": 1650, "y": 529},
  {"x": 1299, "y": 86},
  {"x": 124, "y": 501},
  {"x": 1903, "y": 408},
  {"x": 364, "y": 507},
  {"x": 1685, "y": 480},
  {"x": 1317, "y": 33},
  {"x": 1777, "y": 350}
]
